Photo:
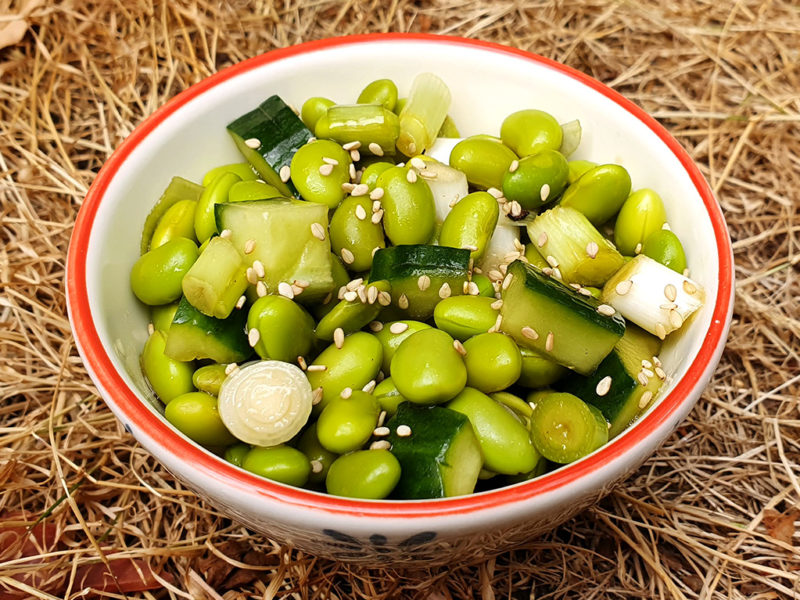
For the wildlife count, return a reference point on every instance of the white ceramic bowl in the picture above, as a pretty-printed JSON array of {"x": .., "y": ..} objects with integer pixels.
[{"x": 187, "y": 137}]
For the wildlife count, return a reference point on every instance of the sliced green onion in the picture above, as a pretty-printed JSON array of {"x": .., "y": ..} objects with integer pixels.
[
  {"x": 571, "y": 137},
  {"x": 423, "y": 114}
]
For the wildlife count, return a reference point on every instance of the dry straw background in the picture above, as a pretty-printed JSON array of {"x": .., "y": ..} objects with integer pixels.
[{"x": 711, "y": 515}]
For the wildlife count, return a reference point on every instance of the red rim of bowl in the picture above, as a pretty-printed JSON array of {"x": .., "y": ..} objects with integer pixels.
[{"x": 160, "y": 433}]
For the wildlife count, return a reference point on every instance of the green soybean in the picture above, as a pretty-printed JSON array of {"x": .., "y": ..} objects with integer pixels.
[
  {"x": 169, "y": 378},
  {"x": 516, "y": 404},
  {"x": 353, "y": 231},
  {"x": 283, "y": 464},
  {"x": 318, "y": 170},
  {"x": 235, "y": 454},
  {"x": 368, "y": 474},
  {"x": 244, "y": 191},
  {"x": 493, "y": 362},
  {"x": 395, "y": 333},
  {"x": 409, "y": 210},
  {"x": 577, "y": 168},
  {"x": 365, "y": 123},
  {"x": 504, "y": 440},
  {"x": 205, "y": 224},
  {"x": 387, "y": 396},
  {"x": 465, "y": 316},
  {"x": 285, "y": 329},
  {"x": 313, "y": 109},
  {"x": 642, "y": 214},
  {"x": 538, "y": 179},
  {"x": 156, "y": 277},
  {"x": 345, "y": 424},
  {"x": 350, "y": 316},
  {"x": 665, "y": 247},
  {"x": 599, "y": 193},
  {"x": 485, "y": 287},
  {"x": 209, "y": 378},
  {"x": 538, "y": 371},
  {"x": 483, "y": 160},
  {"x": 319, "y": 457},
  {"x": 243, "y": 170},
  {"x": 195, "y": 415},
  {"x": 530, "y": 131},
  {"x": 470, "y": 223},
  {"x": 161, "y": 316},
  {"x": 371, "y": 172},
  {"x": 177, "y": 222},
  {"x": 380, "y": 91},
  {"x": 427, "y": 369}
]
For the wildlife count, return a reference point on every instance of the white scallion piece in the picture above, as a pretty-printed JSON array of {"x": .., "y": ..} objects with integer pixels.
[
  {"x": 571, "y": 137},
  {"x": 504, "y": 241},
  {"x": 448, "y": 187},
  {"x": 645, "y": 302},
  {"x": 265, "y": 403},
  {"x": 423, "y": 114}
]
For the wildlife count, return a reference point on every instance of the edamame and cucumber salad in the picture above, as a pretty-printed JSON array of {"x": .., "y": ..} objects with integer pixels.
[{"x": 371, "y": 306}]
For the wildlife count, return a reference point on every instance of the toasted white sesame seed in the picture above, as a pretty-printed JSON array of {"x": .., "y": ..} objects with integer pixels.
[
  {"x": 513, "y": 166},
  {"x": 250, "y": 275},
  {"x": 428, "y": 174},
  {"x": 497, "y": 322},
  {"x": 423, "y": 282},
  {"x": 376, "y": 195},
  {"x": 258, "y": 267},
  {"x": 670, "y": 293},
  {"x": 325, "y": 170},
  {"x": 375, "y": 326},
  {"x": 231, "y": 368},
  {"x": 285, "y": 173},
  {"x": 459, "y": 347},
  {"x": 542, "y": 239},
  {"x": 376, "y": 149},
  {"x": 381, "y": 431},
  {"x": 661, "y": 331},
  {"x": 361, "y": 214},
  {"x": 507, "y": 281},
  {"x": 253, "y": 143},
  {"x": 660, "y": 373},
  {"x": 689, "y": 287},
  {"x": 444, "y": 291},
  {"x": 606, "y": 310},
  {"x": 384, "y": 298},
  {"x": 530, "y": 333},
  {"x": 398, "y": 328},
  {"x": 623, "y": 287},
  {"x": 497, "y": 304},
  {"x": 347, "y": 256},
  {"x": 645, "y": 399},
  {"x": 150, "y": 329},
  {"x": 338, "y": 337},
  {"x": 417, "y": 163},
  {"x": 495, "y": 275},
  {"x": 261, "y": 289},
  {"x": 330, "y": 161},
  {"x": 253, "y": 336},
  {"x": 302, "y": 362},
  {"x": 548, "y": 343},
  {"x": 575, "y": 286},
  {"x": 402, "y": 301},
  {"x": 544, "y": 192},
  {"x": 316, "y": 396},
  {"x": 313, "y": 368},
  {"x": 495, "y": 192},
  {"x": 318, "y": 231},
  {"x": 516, "y": 208},
  {"x": 584, "y": 292},
  {"x": 376, "y": 217},
  {"x": 557, "y": 273},
  {"x": 352, "y": 145},
  {"x": 647, "y": 364},
  {"x": 350, "y": 296},
  {"x": 464, "y": 287},
  {"x": 225, "y": 234},
  {"x": 648, "y": 372},
  {"x": 372, "y": 294},
  {"x": 240, "y": 302},
  {"x": 473, "y": 289},
  {"x": 675, "y": 319},
  {"x": 638, "y": 249},
  {"x": 346, "y": 393},
  {"x": 411, "y": 176},
  {"x": 249, "y": 246},
  {"x": 316, "y": 466},
  {"x": 355, "y": 155},
  {"x": 603, "y": 386},
  {"x": 382, "y": 416},
  {"x": 592, "y": 249},
  {"x": 380, "y": 445},
  {"x": 668, "y": 306},
  {"x": 552, "y": 261},
  {"x": 370, "y": 386},
  {"x": 347, "y": 186},
  {"x": 285, "y": 289},
  {"x": 642, "y": 378},
  {"x": 656, "y": 361},
  {"x": 352, "y": 171},
  {"x": 362, "y": 189},
  {"x": 403, "y": 430}
]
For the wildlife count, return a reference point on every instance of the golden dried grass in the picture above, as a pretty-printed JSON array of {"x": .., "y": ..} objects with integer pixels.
[{"x": 709, "y": 516}]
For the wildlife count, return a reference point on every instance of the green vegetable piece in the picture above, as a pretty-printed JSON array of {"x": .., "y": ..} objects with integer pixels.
[
  {"x": 364, "y": 123},
  {"x": 534, "y": 257},
  {"x": 517, "y": 405},
  {"x": 354, "y": 236},
  {"x": 483, "y": 160},
  {"x": 209, "y": 378},
  {"x": 493, "y": 362},
  {"x": 318, "y": 171},
  {"x": 665, "y": 247},
  {"x": 423, "y": 114},
  {"x": 340, "y": 278},
  {"x": 350, "y": 316},
  {"x": 285, "y": 329},
  {"x": 599, "y": 193},
  {"x": 465, "y": 316},
  {"x": 216, "y": 281},
  {"x": 380, "y": 91},
  {"x": 530, "y": 131},
  {"x": 235, "y": 454},
  {"x": 571, "y": 137},
  {"x": 388, "y": 397},
  {"x": 427, "y": 369},
  {"x": 161, "y": 316},
  {"x": 169, "y": 378},
  {"x": 538, "y": 370},
  {"x": 449, "y": 129},
  {"x": 641, "y": 215},
  {"x": 563, "y": 428},
  {"x": 409, "y": 210},
  {"x": 283, "y": 464},
  {"x": 156, "y": 277},
  {"x": 470, "y": 224},
  {"x": 369, "y": 474},
  {"x": 504, "y": 440},
  {"x": 601, "y": 433},
  {"x": 485, "y": 287},
  {"x": 178, "y": 189},
  {"x": 196, "y": 416},
  {"x": 319, "y": 458},
  {"x": 393, "y": 334},
  {"x": 538, "y": 179},
  {"x": 246, "y": 190},
  {"x": 243, "y": 170},
  {"x": 346, "y": 423},
  {"x": 353, "y": 365},
  {"x": 178, "y": 221},
  {"x": 217, "y": 191},
  {"x": 577, "y": 168},
  {"x": 369, "y": 176},
  {"x": 313, "y": 109}
]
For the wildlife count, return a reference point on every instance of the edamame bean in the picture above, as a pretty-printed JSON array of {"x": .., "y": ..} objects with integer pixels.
[
  {"x": 427, "y": 369},
  {"x": 350, "y": 316},
  {"x": 504, "y": 440},
  {"x": 530, "y": 131},
  {"x": 465, "y": 316},
  {"x": 243, "y": 170},
  {"x": 320, "y": 458},
  {"x": 196, "y": 416},
  {"x": 353, "y": 230},
  {"x": 470, "y": 223},
  {"x": 515, "y": 404},
  {"x": 209, "y": 378},
  {"x": 380, "y": 91},
  {"x": 369, "y": 176},
  {"x": 538, "y": 371},
  {"x": 483, "y": 160},
  {"x": 665, "y": 247},
  {"x": 319, "y": 169},
  {"x": 161, "y": 316},
  {"x": 577, "y": 168},
  {"x": 246, "y": 190},
  {"x": 235, "y": 454},
  {"x": 279, "y": 463},
  {"x": 493, "y": 362},
  {"x": 642, "y": 214},
  {"x": 538, "y": 179},
  {"x": 387, "y": 396},
  {"x": 285, "y": 329},
  {"x": 345, "y": 424},
  {"x": 177, "y": 222},
  {"x": 485, "y": 287},
  {"x": 353, "y": 365},
  {"x": 365, "y": 123},
  {"x": 369, "y": 474},
  {"x": 409, "y": 210},
  {"x": 393, "y": 334},
  {"x": 156, "y": 277},
  {"x": 313, "y": 109},
  {"x": 599, "y": 192},
  {"x": 169, "y": 378},
  {"x": 205, "y": 223}
]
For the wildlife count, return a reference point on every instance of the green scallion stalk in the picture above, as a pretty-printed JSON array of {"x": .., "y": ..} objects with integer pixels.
[{"x": 423, "y": 114}]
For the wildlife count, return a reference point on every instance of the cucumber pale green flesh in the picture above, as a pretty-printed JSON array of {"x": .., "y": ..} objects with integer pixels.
[
  {"x": 441, "y": 457},
  {"x": 564, "y": 429},
  {"x": 177, "y": 190},
  {"x": 581, "y": 336}
]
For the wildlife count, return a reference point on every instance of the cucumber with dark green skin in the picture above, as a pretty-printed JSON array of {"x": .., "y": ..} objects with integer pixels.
[
  {"x": 440, "y": 458},
  {"x": 177, "y": 190},
  {"x": 582, "y": 337},
  {"x": 403, "y": 265},
  {"x": 193, "y": 335},
  {"x": 281, "y": 133},
  {"x": 620, "y": 405}
]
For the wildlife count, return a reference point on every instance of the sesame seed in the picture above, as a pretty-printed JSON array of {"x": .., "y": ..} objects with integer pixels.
[
  {"x": 417, "y": 163},
  {"x": 352, "y": 145},
  {"x": 258, "y": 267},
  {"x": 402, "y": 301},
  {"x": 301, "y": 283},
  {"x": 444, "y": 291},
  {"x": 253, "y": 336},
  {"x": 642, "y": 378},
  {"x": 316, "y": 466},
  {"x": 355, "y": 155},
  {"x": 603, "y": 386},
  {"x": 606, "y": 310},
  {"x": 253, "y": 143},
  {"x": 584, "y": 292},
  {"x": 473, "y": 289},
  {"x": 675, "y": 319},
  {"x": 375, "y": 149},
  {"x": 542, "y": 239},
  {"x": 623, "y": 287},
  {"x": 398, "y": 327},
  {"x": 362, "y": 294},
  {"x": 495, "y": 192},
  {"x": 661, "y": 331},
  {"x": 375, "y": 326},
  {"x": 689, "y": 287},
  {"x": 403, "y": 430},
  {"x": 261, "y": 289},
  {"x": 452, "y": 202},
  {"x": 557, "y": 273},
  {"x": 670, "y": 293},
  {"x": 470, "y": 247},
  {"x": 284, "y": 289},
  {"x": 380, "y": 445},
  {"x": 376, "y": 195},
  {"x": 530, "y": 333},
  {"x": 150, "y": 329},
  {"x": 318, "y": 231},
  {"x": 384, "y": 298},
  {"x": 352, "y": 171},
  {"x": 381, "y": 431},
  {"x": 376, "y": 217},
  {"x": 250, "y": 275},
  {"x": 325, "y": 170},
  {"x": 346, "y": 393},
  {"x": 638, "y": 249},
  {"x": 548, "y": 271},
  {"x": 302, "y": 362},
  {"x": 647, "y": 364},
  {"x": 552, "y": 261},
  {"x": 507, "y": 281},
  {"x": 575, "y": 286},
  {"x": 372, "y": 294},
  {"x": 370, "y": 386},
  {"x": 511, "y": 256},
  {"x": 494, "y": 274},
  {"x": 338, "y": 337},
  {"x": 668, "y": 306},
  {"x": 645, "y": 399},
  {"x": 350, "y": 296},
  {"x": 686, "y": 272},
  {"x": 361, "y": 214},
  {"x": 411, "y": 176},
  {"x": 660, "y": 373},
  {"x": 516, "y": 208},
  {"x": 362, "y": 189},
  {"x": 592, "y": 249},
  {"x": 548, "y": 344},
  {"x": 497, "y": 304},
  {"x": 249, "y": 246},
  {"x": 428, "y": 174},
  {"x": 315, "y": 368},
  {"x": 513, "y": 166},
  {"x": 240, "y": 302},
  {"x": 347, "y": 256},
  {"x": 225, "y": 234},
  {"x": 285, "y": 173},
  {"x": 497, "y": 322},
  {"x": 656, "y": 361},
  {"x": 648, "y": 372},
  {"x": 459, "y": 347},
  {"x": 347, "y": 186},
  {"x": 316, "y": 395},
  {"x": 544, "y": 192},
  {"x": 231, "y": 368},
  {"x": 382, "y": 416}
]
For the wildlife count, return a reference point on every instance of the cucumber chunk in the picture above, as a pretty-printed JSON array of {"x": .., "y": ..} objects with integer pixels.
[
  {"x": 564, "y": 428},
  {"x": 194, "y": 335},
  {"x": 177, "y": 190},
  {"x": 216, "y": 280}
]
